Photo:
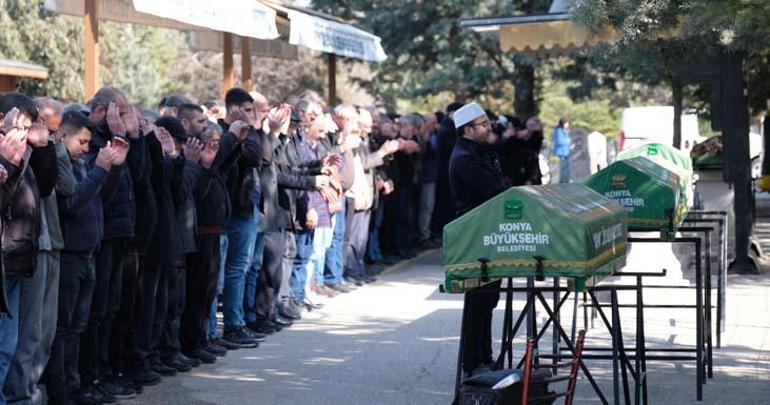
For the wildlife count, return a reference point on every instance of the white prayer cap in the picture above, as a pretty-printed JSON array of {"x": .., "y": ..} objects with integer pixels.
[{"x": 468, "y": 113}]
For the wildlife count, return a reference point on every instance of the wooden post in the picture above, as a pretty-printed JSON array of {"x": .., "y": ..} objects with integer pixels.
[
  {"x": 228, "y": 77},
  {"x": 91, "y": 21},
  {"x": 332, "y": 59},
  {"x": 246, "y": 81}
]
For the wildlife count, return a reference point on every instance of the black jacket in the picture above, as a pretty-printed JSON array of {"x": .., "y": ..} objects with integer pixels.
[
  {"x": 520, "y": 159},
  {"x": 21, "y": 216},
  {"x": 146, "y": 206},
  {"x": 163, "y": 249},
  {"x": 294, "y": 177},
  {"x": 186, "y": 175},
  {"x": 120, "y": 206},
  {"x": 212, "y": 199},
  {"x": 444, "y": 210},
  {"x": 242, "y": 177},
  {"x": 474, "y": 176}
]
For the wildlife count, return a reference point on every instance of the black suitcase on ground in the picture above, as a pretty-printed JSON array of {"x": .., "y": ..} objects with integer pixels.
[{"x": 502, "y": 387}]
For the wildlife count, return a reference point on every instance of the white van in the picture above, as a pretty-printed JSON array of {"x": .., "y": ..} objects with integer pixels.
[{"x": 640, "y": 125}]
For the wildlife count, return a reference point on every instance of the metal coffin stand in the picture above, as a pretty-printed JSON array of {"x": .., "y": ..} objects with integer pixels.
[{"x": 622, "y": 366}]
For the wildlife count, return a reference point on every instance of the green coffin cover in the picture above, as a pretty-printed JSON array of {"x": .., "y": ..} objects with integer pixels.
[
  {"x": 669, "y": 157},
  {"x": 648, "y": 191},
  {"x": 659, "y": 151},
  {"x": 578, "y": 232}
]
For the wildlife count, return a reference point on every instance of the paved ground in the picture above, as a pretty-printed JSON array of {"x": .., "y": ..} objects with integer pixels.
[{"x": 395, "y": 342}]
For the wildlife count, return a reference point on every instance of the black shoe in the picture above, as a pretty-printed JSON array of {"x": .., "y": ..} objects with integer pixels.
[
  {"x": 374, "y": 269},
  {"x": 354, "y": 280},
  {"x": 187, "y": 360},
  {"x": 223, "y": 343},
  {"x": 265, "y": 328},
  {"x": 163, "y": 369},
  {"x": 93, "y": 394},
  {"x": 119, "y": 391},
  {"x": 145, "y": 377},
  {"x": 202, "y": 355},
  {"x": 238, "y": 337},
  {"x": 177, "y": 364},
  {"x": 289, "y": 311},
  {"x": 282, "y": 322},
  {"x": 126, "y": 381},
  {"x": 367, "y": 279},
  {"x": 259, "y": 337},
  {"x": 340, "y": 287},
  {"x": 216, "y": 350}
]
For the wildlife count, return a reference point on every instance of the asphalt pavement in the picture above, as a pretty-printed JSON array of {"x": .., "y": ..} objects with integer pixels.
[{"x": 395, "y": 342}]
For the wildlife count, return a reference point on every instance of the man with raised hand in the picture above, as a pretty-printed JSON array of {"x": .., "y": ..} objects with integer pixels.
[
  {"x": 81, "y": 216},
  {"x": 30, "y": 165},
  {"x": 241, "y": 230}
]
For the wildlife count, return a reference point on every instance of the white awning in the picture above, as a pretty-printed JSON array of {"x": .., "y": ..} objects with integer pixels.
[
  {"x": 247, "y": 18},
  {"x": 329, "y": 36}
]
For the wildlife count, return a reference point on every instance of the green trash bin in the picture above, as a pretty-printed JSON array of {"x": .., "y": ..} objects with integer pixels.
[
  {"x": 555, "y": 230},
  {"x": 653, "y": 195}
]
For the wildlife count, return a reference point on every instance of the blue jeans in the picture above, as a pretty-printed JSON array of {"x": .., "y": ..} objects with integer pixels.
[
  {"x": 322, "y": 240},
  {"x": 304, "y": 240},
  {"x": 9, "y": 329},
  {"x": 241, "y": 236},
  {"x": 252, "y": 277},
  {"x": 564, "y": 169},
  {"x": 38, "y": 314},
  {"x": 373, "y": 249},
  {"x": 334, "y": 256}
]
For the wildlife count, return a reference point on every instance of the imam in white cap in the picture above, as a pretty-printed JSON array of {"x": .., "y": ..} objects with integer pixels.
[{"x": 468, "y": 113}]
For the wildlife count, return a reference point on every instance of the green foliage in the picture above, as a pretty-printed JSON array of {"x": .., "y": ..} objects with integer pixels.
[
  {"x": 29, "y": 33},
  {"x": 429, "y": 53},
  {"x": 594, "y": 114},
  {"x": 646, "y": 52},
  {"x": 139, "y": 60}
]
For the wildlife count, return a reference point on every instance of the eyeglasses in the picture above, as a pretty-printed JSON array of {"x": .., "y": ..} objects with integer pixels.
[{"x": 484, "y": 123}]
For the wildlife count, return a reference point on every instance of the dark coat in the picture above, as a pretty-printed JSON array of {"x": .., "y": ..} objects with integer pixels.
[
  {"x": 186, "y": 175},
  {"x": 120, "y": 206},
  {"x": 292, "y": 179},
  {"x": 212, "y": 199},
  {"x": 444, "y": 210},
  {"x": 81, "y": 213},
  {"x": 163, "y": 249},
  {"x": 22, "y": 215},
  {"x": 278, "y": 179},
  {"x": 520, "y": 159},
  {"x": 242, "y": 178},
  {"x": 474, "y": 176},
  {"x": 146, "y": 206}
]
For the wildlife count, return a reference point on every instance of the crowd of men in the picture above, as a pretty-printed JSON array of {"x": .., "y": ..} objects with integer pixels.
[{"x": 125, "y": 231}]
